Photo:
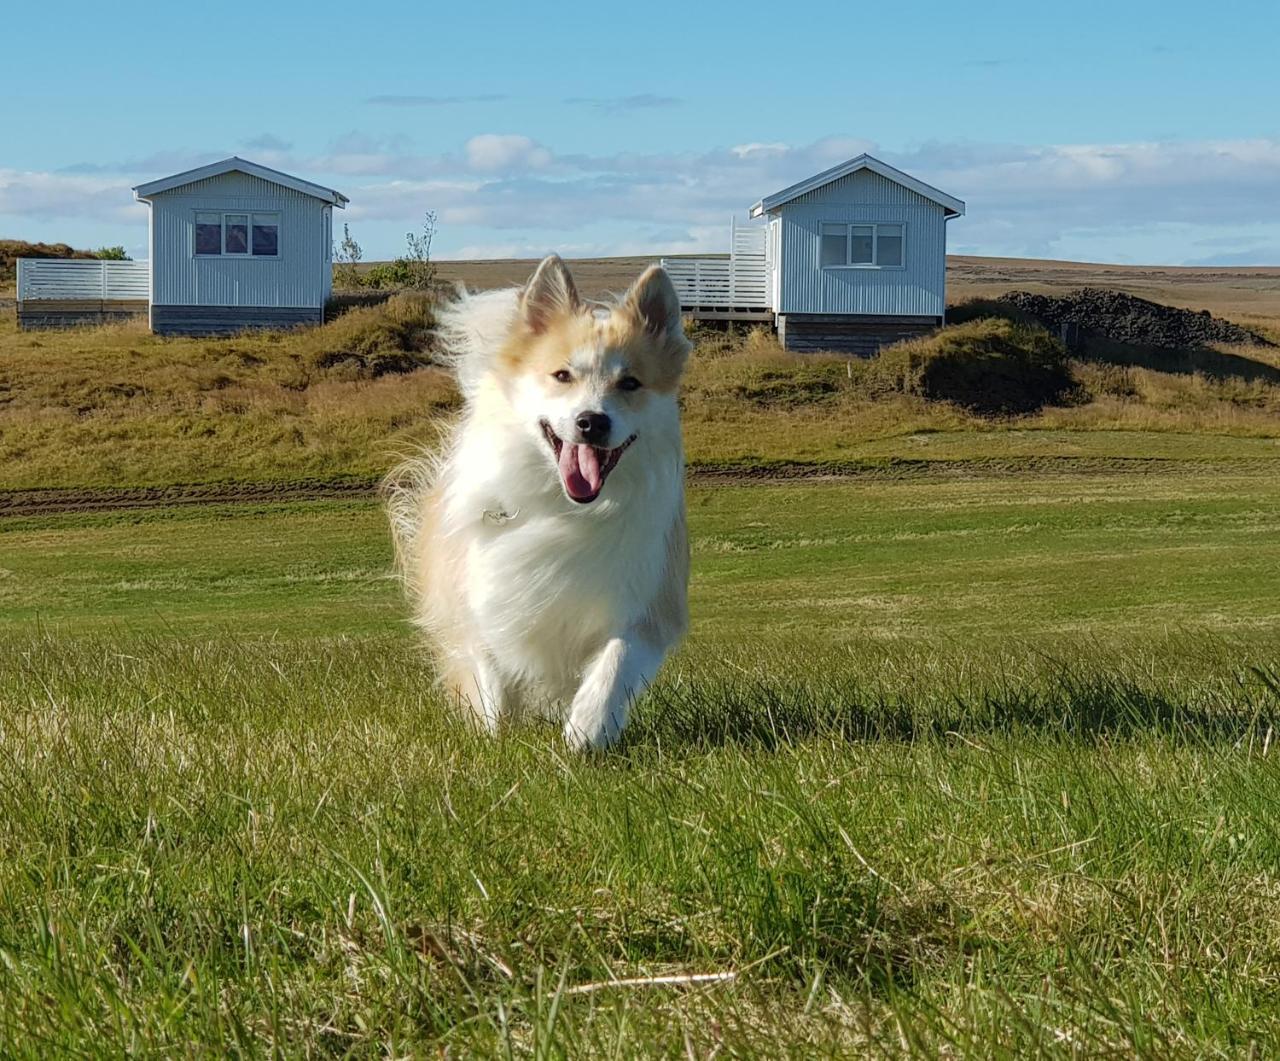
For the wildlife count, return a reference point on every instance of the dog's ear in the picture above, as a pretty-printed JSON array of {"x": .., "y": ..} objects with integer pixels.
[
  {"x": 653, "y": 303},
  {"x": 549, "y": 294}
]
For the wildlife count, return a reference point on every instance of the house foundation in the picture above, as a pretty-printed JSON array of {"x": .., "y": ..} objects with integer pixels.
[{"x": 849, "y": 333}]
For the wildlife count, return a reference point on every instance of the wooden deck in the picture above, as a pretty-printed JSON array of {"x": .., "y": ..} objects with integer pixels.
[{"x": 753, "y": 314}]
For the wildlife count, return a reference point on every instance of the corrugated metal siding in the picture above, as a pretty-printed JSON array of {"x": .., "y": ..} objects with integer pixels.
[
  {"x": 918, "y": 290},
  {"x": 862, "y": 187},
  {"x": 296, "y": 278}
]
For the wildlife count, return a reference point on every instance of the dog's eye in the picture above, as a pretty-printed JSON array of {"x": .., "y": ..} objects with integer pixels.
[
  {"x": 562, "y": 376},
  {"x": 629, "y": 383}
]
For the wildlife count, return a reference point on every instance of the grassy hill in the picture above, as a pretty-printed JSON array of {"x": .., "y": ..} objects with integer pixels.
[{"x": 345, "y": 399}]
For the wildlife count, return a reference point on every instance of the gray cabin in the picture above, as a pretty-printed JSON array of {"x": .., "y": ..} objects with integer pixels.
[
  {"x": 850, "y": 259},
  {"x": 236, "y": 245}
]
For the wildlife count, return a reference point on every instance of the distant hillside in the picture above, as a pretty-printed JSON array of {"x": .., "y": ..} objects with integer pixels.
[
  {"x": 1246, "y": 294},
  {"x": 13, "y": 249}
]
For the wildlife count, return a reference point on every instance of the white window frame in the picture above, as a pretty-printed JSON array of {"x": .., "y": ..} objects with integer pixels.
[
  {"x": 875, "y": 227},
  {"x": 237, "y": 255}
]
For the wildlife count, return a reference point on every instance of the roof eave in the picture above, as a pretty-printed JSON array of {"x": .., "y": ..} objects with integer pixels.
[
  {"x": 950, "y": 205},
  {"x": 144, "y": 192}
]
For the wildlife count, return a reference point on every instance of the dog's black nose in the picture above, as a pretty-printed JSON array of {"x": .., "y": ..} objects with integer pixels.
[{"x": 593, "y": 427}]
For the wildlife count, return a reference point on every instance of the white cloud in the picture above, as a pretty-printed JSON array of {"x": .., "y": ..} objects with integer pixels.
[
  {"x": 502, "y": 153},
  {"x": 743, "y": 150},
  {"x": 67, "y": 195},
  {"x": 1158, "y": 200}
]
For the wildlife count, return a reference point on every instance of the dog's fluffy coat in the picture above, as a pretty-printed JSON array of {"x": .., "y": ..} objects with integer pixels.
[{"x": 544, "y": 548}]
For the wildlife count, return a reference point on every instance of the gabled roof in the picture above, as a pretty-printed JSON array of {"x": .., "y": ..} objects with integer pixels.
[
  {"x": 954, "y": 207},
  {"x": 238, "y": 165}
]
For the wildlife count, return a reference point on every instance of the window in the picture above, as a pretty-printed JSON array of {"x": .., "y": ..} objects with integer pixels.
[
  {"x": 879, "y": 246},
  {"x": 235, "y": 234},
  {"x": 238, "y": 235},
  {"x": 266, "y": 235},
  {"x": 835, "y": 245},
  {"x": 208, "y": 233},
  {"x": 889, "y": 246},
  {"x": 862, "y": 239}
]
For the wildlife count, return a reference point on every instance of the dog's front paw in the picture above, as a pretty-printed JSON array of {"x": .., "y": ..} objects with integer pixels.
[
  {"x": 594, "y": 721},
  {"x": 586, "y": 737}
]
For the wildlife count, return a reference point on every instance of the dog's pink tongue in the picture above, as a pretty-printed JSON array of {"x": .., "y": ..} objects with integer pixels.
[{"x": 580, "y": 470}]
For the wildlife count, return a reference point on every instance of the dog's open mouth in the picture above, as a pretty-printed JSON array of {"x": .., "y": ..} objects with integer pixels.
[{"x": 583, "y": 468}]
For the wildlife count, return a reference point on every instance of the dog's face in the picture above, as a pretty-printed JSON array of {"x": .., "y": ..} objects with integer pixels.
[{"x": 592, "y": 383}]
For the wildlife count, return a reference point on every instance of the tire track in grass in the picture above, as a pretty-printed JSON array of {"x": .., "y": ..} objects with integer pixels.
[{"x": 54, "y": 501}]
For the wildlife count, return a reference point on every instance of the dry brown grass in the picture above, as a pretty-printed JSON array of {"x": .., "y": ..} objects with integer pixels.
[
  {"x": 118, "y": 406},
  {"x": 1247, "y": 295}
]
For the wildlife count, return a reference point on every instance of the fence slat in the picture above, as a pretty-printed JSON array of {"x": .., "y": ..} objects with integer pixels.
[
  {"x": 737, "y": 281},
  {"x": 70, "y": 279}
]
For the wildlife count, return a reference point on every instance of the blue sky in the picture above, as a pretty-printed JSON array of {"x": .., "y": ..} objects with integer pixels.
[{"x": 1121, "y": 131}]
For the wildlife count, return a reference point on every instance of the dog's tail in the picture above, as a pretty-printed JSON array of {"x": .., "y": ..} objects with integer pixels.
[
  {"x": 404, "y": 493},
  {"x": 472, "y": 329}
]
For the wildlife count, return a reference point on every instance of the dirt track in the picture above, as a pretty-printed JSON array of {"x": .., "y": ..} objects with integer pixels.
[
  {"x": 26, "y": 503},
  {"x": 108, "y": 499}
]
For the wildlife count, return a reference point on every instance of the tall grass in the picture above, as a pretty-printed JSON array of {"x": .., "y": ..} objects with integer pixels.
[{"x": 294, "y": 847}]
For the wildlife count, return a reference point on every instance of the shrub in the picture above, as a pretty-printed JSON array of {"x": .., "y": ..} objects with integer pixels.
[
  {"x": 987, "y": 366},
  {"x": 411, "y": 271},
  {"x": 112, "y": 254},
  {"x": 393, "y": 337},
  {"x": 346, "y": 260}
]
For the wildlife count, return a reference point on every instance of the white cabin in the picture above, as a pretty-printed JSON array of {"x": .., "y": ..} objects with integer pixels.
[
  {"x": 237, "y": 245},
  {"x": 849, "y": 259}
]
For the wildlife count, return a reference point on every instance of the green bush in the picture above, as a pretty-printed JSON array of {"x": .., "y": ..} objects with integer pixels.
[
  {"x": 988, "y": 366},
  {"x": 393, "y": 337}
]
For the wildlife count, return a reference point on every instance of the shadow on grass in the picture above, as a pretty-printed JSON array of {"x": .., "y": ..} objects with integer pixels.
[
  {"x": 1094, "y": 344},
  {"x": 769, "y": 714},
  {"x": 1196, "y": 360}
]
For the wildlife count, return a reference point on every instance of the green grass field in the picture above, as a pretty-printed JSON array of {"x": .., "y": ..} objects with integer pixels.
[
  {"x": 977, "y": 764},
  {"x": 971, "y": 749}
]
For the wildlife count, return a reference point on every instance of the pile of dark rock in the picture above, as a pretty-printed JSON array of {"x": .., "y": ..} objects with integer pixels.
[{"x": 1122, "y": 318}]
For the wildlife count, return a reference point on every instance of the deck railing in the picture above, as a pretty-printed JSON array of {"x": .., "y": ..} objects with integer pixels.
[
  {"x": 82, "y": 280},
  {"x": 739, "y": 280}
]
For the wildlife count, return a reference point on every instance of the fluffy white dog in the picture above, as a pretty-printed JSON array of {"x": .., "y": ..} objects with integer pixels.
[{"x": 545, "y": 548}]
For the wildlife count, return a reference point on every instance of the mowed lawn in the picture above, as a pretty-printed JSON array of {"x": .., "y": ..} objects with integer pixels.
[
  {"x": 1106, "y": 555},
  {"x": 983, "y": 765}
]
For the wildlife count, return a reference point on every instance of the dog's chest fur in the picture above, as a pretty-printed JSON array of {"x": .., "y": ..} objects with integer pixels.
[{"x": 546, "y": 583}]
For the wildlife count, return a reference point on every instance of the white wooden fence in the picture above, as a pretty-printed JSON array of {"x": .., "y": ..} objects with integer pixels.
[
  {"x": 82, "y": 280},
  {"x": 740, "y": 281}
]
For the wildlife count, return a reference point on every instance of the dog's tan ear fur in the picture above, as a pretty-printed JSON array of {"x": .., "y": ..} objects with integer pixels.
[
  {"x": 549, "y": 295},
  {"x": 654, "y": 304}
]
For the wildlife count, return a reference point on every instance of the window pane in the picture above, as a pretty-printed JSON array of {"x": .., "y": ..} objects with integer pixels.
[
  {"x": 237, "y": 226},
  {"x": 889, "y": 245},
  {"x": 860, "y": 245},
  {"x": 265, "y": 235},
  {"x": 833, "y": 245},
  {"x": 208, "y": 233}
]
